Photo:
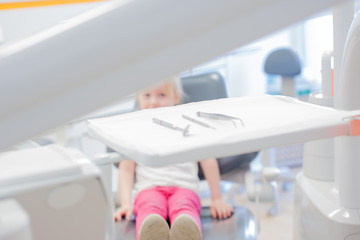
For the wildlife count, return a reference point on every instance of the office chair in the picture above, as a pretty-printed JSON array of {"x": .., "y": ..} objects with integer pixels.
[{"x": 286, "y": 63}]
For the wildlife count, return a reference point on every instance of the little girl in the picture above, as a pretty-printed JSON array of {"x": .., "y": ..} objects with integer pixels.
[{"x": 170, "y": 191}]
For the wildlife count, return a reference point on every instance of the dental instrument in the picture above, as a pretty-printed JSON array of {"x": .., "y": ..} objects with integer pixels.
[
  {"x": 198, "y": 122},
  {"x": 218, "y": 116},
  {"x": 185, "y": 131}
]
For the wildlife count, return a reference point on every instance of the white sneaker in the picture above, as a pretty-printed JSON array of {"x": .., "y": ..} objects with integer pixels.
[
  {"x": 154, "y": 227},
  {"x": 185, "y": 228}
]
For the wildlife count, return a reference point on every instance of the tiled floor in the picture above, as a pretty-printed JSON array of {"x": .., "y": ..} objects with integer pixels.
[
  {"x": 277, "y": 227},
  {"x": 280, "y": 226}
]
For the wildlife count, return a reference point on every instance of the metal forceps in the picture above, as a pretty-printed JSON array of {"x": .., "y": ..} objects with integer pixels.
[
  {"x": 218, "y": 116},
  {"x": 185, "y": 131}
]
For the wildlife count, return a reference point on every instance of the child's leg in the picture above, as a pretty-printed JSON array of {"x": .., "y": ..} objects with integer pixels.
[
  {"x": 148, "y": 202},
  {"x": 184, "y": 201}
]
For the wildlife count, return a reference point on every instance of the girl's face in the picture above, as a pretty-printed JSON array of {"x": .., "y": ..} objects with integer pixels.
[{"x": 160, "y": 96}]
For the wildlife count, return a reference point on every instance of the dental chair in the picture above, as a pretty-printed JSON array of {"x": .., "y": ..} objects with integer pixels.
[
  {"x": 242, "y": 224},
  {"x": 210, "y": 86}
]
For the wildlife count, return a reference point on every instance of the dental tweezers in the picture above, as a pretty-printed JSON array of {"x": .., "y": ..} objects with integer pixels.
[
  {"x": 185, "y": 131},
  {"x": 218, "y": 116}
]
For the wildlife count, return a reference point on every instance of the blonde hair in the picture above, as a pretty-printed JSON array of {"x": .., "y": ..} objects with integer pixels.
[{"x": 172, "y": 84}]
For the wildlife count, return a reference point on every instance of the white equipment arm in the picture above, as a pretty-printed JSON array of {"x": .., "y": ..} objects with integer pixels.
[{"x": 96, "y": 58}]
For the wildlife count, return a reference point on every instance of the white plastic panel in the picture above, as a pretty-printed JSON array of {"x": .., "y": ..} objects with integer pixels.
[
  {"x": 14, "y": 221},
  {"x": 269, "y": 121},
  {"x": 120, "y": 47},
  {"x": 36, "y": 164}
]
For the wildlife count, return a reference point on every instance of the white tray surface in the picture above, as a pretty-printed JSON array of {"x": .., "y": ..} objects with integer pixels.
[{"x": 269, "y": 121}]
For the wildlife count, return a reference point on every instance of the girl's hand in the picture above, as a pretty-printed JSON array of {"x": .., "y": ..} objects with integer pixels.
[
  {"x": 124, "y": 211},
  {"x": 220, "y": 209}
]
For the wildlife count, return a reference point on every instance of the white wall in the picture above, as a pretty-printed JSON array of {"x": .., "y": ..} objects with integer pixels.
[
  {"x": 319, "y": 38},
  {"x": 243, "y": 67}
]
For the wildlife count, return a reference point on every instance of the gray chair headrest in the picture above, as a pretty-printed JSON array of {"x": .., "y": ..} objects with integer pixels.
[
  {"x": 203, "y": 87},
  {"x": 284, "y": 62}
]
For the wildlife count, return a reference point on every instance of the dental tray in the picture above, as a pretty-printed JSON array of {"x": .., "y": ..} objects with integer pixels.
[{"x": 268, "y": 121}]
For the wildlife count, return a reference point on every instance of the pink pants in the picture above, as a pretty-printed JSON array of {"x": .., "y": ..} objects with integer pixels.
[{"x": 168, "y": 202}]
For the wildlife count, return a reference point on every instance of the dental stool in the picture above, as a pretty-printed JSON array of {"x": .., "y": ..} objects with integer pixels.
[
  {"x": 263, "y": 186},
  {"x": 286, "y": 63}
]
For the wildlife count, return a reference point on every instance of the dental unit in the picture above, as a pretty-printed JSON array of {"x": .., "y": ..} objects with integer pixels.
[{"x": 56, "y": 76}]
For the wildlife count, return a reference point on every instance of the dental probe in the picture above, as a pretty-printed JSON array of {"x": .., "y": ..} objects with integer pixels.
[{"x": 163, "y": 123}]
